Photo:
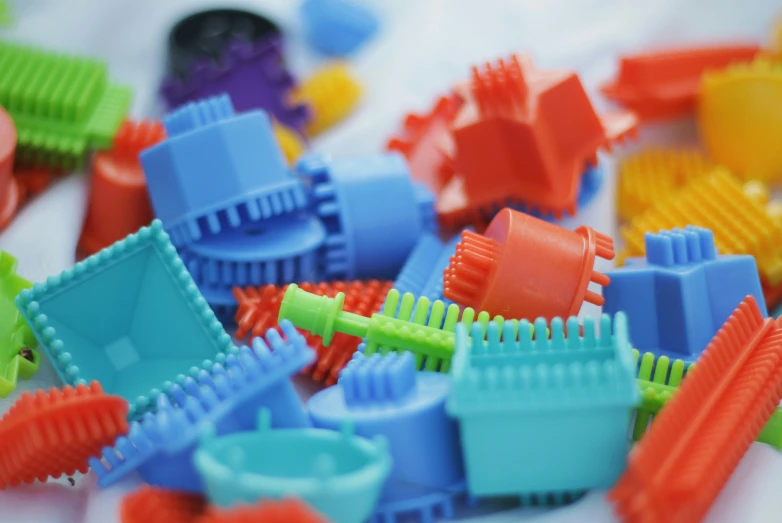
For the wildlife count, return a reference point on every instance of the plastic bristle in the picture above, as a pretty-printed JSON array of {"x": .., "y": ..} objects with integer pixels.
[
  {"x": 135, "y": 136},
  {"x": 157, "y": 505},
  {"x": 500, "y": 89},
  {"x": 376, "y": 379}
]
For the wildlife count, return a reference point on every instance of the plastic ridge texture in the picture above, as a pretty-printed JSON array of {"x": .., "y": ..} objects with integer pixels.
[
  {"x": 82, "y": 108},
  {"x": 203, "y": 138},
  {"x": 332, "y": 93},
  {"x": 259, "y": 308},
  {"x": 130, "y": 317},
  {"x": 288, "y": 510},
  {"x": 674, "y": 475},
  {"x": 422, "y": 273},
  {"x": 338, "y": 473},
  {"x": 520, "y": 399},
  {"x": 384, "y": 395},
  {"x": 226, "y": 397},
  {"x": 48, "y": 434},
  {"x": 11, "y": 191},
  {"x": 717, "y": 201},
  {"x": 680, "y": 295},
  {"x": 337, "y": 27},
  {"x": 155, "y": 505}
]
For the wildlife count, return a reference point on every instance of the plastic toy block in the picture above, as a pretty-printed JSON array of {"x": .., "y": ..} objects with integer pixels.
[
  {"x": 495, "y": 272},
  {"x": 259, "y": 308},
  {"x": 746, "y": 96},
  {"x": 422, "y": 273},
  {"x": 665, "y": 84},
  {"x": 284, "y": 511},
  {"x": 130, "y": 317},
  {"x": 717, "y": 201},
  {"x": 519, "y": 401},
  {"x": 338, "y": 473},
  {"x": 10, "y": 192},
  {"x": 119, "y": 203},
  {"x": 384, "y": 395},
  {"x": 17, "y": 357},
  {"x": 331, "y": 93},
  {"x": 54, "y": 433},
  {"x": 61, "y": 105},
  {"x": 652, "y": 175},
  {"x": 372, "y": 211},
  {"x": 205, "y": 138},
  {"x": 290, "y": 142},
  {"x": 678, "y": 468},
  {"x": 252, "y": 73},
  {"x": 156, "y": 505},
  {"x": 337, "y": 27},
  {"x": 226, "y": 397},
  {"x": 32, "y": 181},
  {"x": 678, "y": 297}
]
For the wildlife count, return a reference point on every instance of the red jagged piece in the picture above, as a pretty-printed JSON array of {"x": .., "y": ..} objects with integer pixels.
[
  {"x": 284, "y": 511},
  {"x": 695, "y": 443},
  {"x": 135, "y": 136},
  {"x": 53, "y": 433},
  {"x": 157, "y": 505}
]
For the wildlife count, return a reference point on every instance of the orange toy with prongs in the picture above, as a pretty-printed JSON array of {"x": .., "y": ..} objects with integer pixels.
[
  {"x": 268, "y": 511},
  {"x": 157, "y": 505}
]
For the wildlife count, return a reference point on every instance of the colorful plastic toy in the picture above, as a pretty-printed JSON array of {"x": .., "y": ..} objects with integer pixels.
[
  {"x": 290, "y": 142},
  {"x": 331, "y": 94},
  {"x": 520, "y": 401},
  {"x": 337, "y": 27},
  {"x": 156, "y": 505},
  {"x": 54, "y": 433},
  {"x": 205, "y": 138},
  {"x": 78, "y": 107},
  {"x": 739, "y": 111},
  {"x": 372, "y": 211},
  {"x": 338, "y": 473},
  {"x": 289, "y": 510},
  {"x": 119, "y": 203},
  {"x": 259, "y": 308},
  {"x": 226, "y": 397},
  {"x": 384, "y": 395},
  {"x": 665, "y": 84},
  {"x": 496, "y": 272},
  {"x": 695, "y": 443},
  {"x": 10, "y": 192},
  {"x": 33, "y": 181},
  {"x": 678, "y": 297},
  {"x": 130, "y": 317},
  {"x": 422, "y": 273}
]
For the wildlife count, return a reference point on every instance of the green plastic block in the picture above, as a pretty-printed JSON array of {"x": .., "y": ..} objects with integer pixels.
[
  {"x": 14, "y": 333},
  {"x": 61, "y": 105}
]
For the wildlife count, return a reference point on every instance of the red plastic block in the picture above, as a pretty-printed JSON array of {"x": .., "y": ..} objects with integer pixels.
[
  {"x": 119, "y": 203},
  {"x": 260, "y": 307},
  {"x": 10, "y": 193},
  {"x": 34, "y": 180},
  {"x": 524, "y": 267},
  {"x": 772, "y": 295},
  {"x": 157, "y": 505},
  {"x": 50, "y": 434},
  {"x": 677, "y": 470},
  {"x": 284, "y": 511},
  {"x": 664, "y": 84}
]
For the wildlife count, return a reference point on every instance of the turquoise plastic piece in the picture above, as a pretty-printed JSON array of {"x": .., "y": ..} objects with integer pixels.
[
  {"x": 338, "y": 473},
  {"x": 129, "y": 316},
  {"x": 545, "y": 416}
]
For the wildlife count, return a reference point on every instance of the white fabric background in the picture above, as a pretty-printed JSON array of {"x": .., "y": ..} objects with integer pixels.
[{"x": 424, "y": 46}]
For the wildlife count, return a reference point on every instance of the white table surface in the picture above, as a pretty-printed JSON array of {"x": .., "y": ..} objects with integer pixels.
[{"x": 424, "y": 46}]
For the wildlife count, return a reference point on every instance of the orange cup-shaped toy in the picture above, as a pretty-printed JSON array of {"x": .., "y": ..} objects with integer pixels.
[{"x": 9, "y": 189}]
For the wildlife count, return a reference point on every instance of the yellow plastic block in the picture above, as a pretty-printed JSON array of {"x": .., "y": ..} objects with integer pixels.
[
  {"x": 652, "y": 175},
  {"x": 332, "y": 94},
  {"x": 740, "y": 118},
  {"x": 289, "y": 141},
  {"x": 740, "y": 216}
]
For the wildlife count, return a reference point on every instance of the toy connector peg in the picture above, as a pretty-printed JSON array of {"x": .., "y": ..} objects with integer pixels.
[{"x": 156, "y": 505}]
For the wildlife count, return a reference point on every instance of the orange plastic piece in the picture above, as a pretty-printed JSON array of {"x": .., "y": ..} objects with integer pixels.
[
  {"x": 664, "y": 84},
  {"x": 259, "y": 309},
  {"x": 157, "y": 505},
  {"x": 679, "y": 467},
  {"x": 524, "y": 267},
  {"x": 10, "y": 194},
  {"x": 119, "y": 203},
  {"x": 283, "y": 511},
  {"x": 772, "y": 295},
  {"x": 35, "y": 180},
  {"x": 50, "y": 434}
]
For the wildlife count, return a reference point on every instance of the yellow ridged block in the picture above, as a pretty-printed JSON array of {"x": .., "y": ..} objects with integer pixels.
[
  {"x": 652, "y": 175},
  {"x": 740, "y": 118},
  {"x": 740, "y": 216},
  {"x": 332, "y": 94},
  {"x": 290, "y": 142}
]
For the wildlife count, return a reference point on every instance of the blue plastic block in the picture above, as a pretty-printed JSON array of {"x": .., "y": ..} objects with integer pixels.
[
  {"x": 338, "y": 473},
  {"x": 682, "y": 293},
  {"x": 372, "y": 211},
  {"x": 130, "y": 317},
  {"x": 337, "y": 27},
  {"x": 227, "y": 397},
  {"x": 384, "y": 395},
  {"x": 422, "y": 273},
  {"x": 544, "y": 415},
  {"x": 218, "y": 170}
]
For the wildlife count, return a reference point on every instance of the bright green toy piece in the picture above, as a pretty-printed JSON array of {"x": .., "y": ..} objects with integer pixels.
[
  {"x": 60, "y": 104},
  {"x": 658, "y": 379},
  {"x": 5, "y": 13},
  {"x": 14, "y": 333}
]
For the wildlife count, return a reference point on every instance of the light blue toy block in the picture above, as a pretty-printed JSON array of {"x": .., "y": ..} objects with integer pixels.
[
  {"x": 543, "y": 416},
  {"x": 337, "y": 27}
]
